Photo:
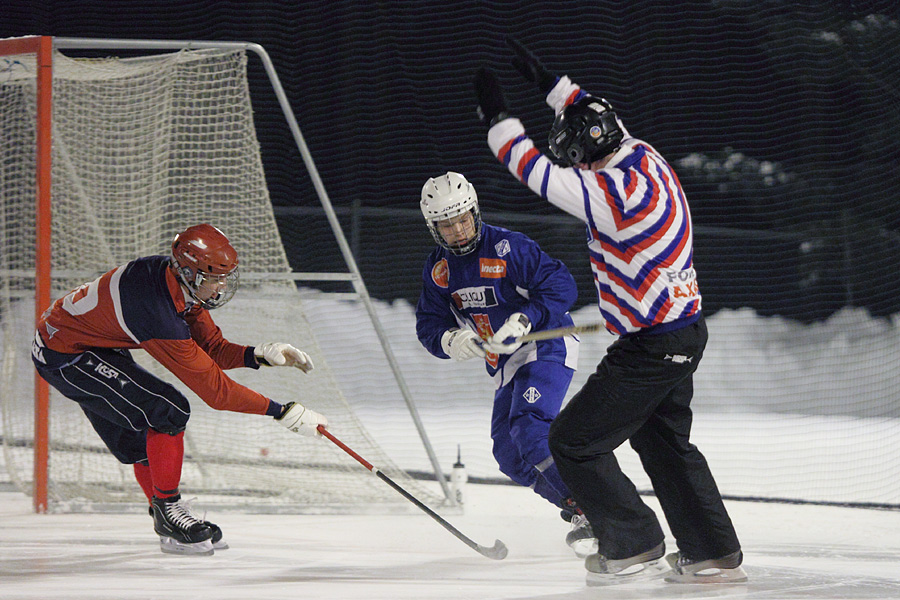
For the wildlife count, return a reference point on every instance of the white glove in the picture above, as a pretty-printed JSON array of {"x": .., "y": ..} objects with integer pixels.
[
  {"x": 515, "y": 327},
  {"x": 276, "y": 354},
  {"x": 302, "y": 420},
  {"x": 462, "y": 344}
]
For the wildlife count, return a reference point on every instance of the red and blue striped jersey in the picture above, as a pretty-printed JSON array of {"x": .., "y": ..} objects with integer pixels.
[{"x": 638, "y": 221}]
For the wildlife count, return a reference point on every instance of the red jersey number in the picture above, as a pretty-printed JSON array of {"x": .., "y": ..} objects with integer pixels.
[{"x": 483, "y": 323}]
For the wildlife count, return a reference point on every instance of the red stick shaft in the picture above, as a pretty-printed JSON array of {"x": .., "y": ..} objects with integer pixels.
[{"x": 346, "y": 448}]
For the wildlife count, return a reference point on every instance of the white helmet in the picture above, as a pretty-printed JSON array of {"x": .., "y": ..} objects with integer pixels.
[{"x": 446, "y": 197}]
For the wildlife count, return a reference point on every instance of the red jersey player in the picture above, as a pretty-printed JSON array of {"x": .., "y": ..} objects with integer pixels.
[{"x": 160, "y": 304}]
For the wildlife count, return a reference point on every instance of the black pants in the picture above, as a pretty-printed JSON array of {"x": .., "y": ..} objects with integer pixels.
[
  {"x": 641, "y": 392},
  {"x": 120, "y": 398}
]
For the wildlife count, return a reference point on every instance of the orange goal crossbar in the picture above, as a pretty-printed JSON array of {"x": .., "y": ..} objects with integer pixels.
[{"x": 42, "y": 48}]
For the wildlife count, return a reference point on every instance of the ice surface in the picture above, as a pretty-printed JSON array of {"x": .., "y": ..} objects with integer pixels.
[{"x": 791, "y": 552}]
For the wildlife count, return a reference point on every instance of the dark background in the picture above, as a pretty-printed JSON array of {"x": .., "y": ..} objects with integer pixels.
[{"x": 781, "y": 119}]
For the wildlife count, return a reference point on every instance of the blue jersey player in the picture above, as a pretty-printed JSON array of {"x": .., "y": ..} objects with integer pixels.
[{"x": 484, "y": 286}]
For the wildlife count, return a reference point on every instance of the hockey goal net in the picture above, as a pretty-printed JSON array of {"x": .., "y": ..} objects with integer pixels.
[{"x": 141, "y": 148}]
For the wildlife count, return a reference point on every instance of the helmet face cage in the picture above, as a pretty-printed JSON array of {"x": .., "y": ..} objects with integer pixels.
[
  {"x": 203, "y": 258},
  {"x": 585, "y": 131},
  {"x": 444, "y": 200},
  {"x": 223, "y": 286},
  {"x": 465, "y": 247}
]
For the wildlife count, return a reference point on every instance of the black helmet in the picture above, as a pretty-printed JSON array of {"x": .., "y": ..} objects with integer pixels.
[{"x": 585, "y": 131}]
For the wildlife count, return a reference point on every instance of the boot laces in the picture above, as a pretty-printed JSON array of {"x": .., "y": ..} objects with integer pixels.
[
  {"x": 578, "y": 521},
  {"x": 180, "y": 514}
]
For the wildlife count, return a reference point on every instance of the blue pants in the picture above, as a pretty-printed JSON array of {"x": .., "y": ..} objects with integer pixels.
[
  {"x": 120, "y": 398},
  {"x": 520, "y": 424}
]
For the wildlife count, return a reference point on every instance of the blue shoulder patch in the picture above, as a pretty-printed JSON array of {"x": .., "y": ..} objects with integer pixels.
[{"x": 147, "y": 305}]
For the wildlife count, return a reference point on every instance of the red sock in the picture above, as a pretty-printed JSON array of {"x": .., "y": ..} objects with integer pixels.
[
  {"x": 142, "y": 474},
  {"x": 165, "y": 453}
]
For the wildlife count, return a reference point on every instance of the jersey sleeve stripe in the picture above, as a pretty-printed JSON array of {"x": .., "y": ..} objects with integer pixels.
[
  {"x": 117, "y": 301},
  {"x": 526, "y": 164},
  {"x": 505, "y": 153},
  {"x": 574, "y": 96},
  {"x": 546, "y": 180}
]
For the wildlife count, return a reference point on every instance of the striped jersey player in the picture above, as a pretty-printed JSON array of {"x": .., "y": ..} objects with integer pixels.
[
  {"x": 160, "y": 304},
  {"x": 637, "y": 218},
  {"x": 640, "y": 244},
  {"x": 483, "y": 286}
]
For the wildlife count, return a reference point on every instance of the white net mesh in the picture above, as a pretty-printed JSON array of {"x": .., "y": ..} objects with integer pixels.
[{"x": 141, "y": 149}]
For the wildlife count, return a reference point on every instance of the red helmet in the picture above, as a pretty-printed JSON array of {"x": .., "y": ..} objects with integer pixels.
[{"x": 202, "y": 254}]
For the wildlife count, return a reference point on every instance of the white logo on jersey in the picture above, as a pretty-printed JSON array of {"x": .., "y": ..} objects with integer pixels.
[
  {"x": 502, "y": 247},
  {"x": 474, "y": 297},
  {"x": 681, "y": 284},
  {"x": 678, "y": 358},
  {"x": 37, "y": 348},
  {"x": 51, "y": 331},
  {"x": 106, "y": 371},
  {"x": 531, "y": 395}
]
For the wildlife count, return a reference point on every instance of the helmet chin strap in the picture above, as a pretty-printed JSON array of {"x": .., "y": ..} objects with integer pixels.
[{"x": 189, "y": 297}]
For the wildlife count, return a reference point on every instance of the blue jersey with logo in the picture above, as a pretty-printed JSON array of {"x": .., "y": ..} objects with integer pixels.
[{"x": 507, "y": 273}]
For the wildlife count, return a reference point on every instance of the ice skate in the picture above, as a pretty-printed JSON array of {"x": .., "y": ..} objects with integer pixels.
[
  {"x": 581, "y": 539},
  {"x": 726, "y": 569},
  {"x": 610, "y": 571},
  {"x": 569, "y": 509},
  {"x": 180, "y": 532},
  {"x": 216, "y": 539}
]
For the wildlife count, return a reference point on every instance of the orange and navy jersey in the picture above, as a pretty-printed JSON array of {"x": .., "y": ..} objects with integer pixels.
[
  {"x": 141, "y": 305},
  {"x": 638, "y": 222}
]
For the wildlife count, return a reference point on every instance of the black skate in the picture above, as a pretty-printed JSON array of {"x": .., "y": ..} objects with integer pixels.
[
  {"x": 606, "y": 571},
  {"x": 180, "y": 532},
  {"x": 726, "y": 569},
  {"x": 569, "y": 509},
  {"x": 216, "y": 539}
]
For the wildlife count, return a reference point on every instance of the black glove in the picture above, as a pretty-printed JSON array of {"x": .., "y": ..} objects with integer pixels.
[
  {"x": 530, "y": 67},
  {"x": 491, "y": 103}
]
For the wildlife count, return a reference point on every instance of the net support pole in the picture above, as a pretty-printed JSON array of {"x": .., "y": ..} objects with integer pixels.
[
  {"x": 358, "y": 284},
  {"x": 356, "y": 278}
]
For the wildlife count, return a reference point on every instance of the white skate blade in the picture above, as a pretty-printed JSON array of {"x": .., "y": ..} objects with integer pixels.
[
  {"x": 711, "y": 575},
  {"x": 220, "y": 545},
  {"x": 172, "y": 546},
  {"x": 639, "y": 572},
  {"x": 584, "y": 547}
]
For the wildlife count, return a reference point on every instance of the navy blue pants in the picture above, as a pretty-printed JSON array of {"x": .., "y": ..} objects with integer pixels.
[
  {"x": 641, "y": 392},
  {"x": 520, "y": 424},
  {"x": 121, "y": 399}
]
